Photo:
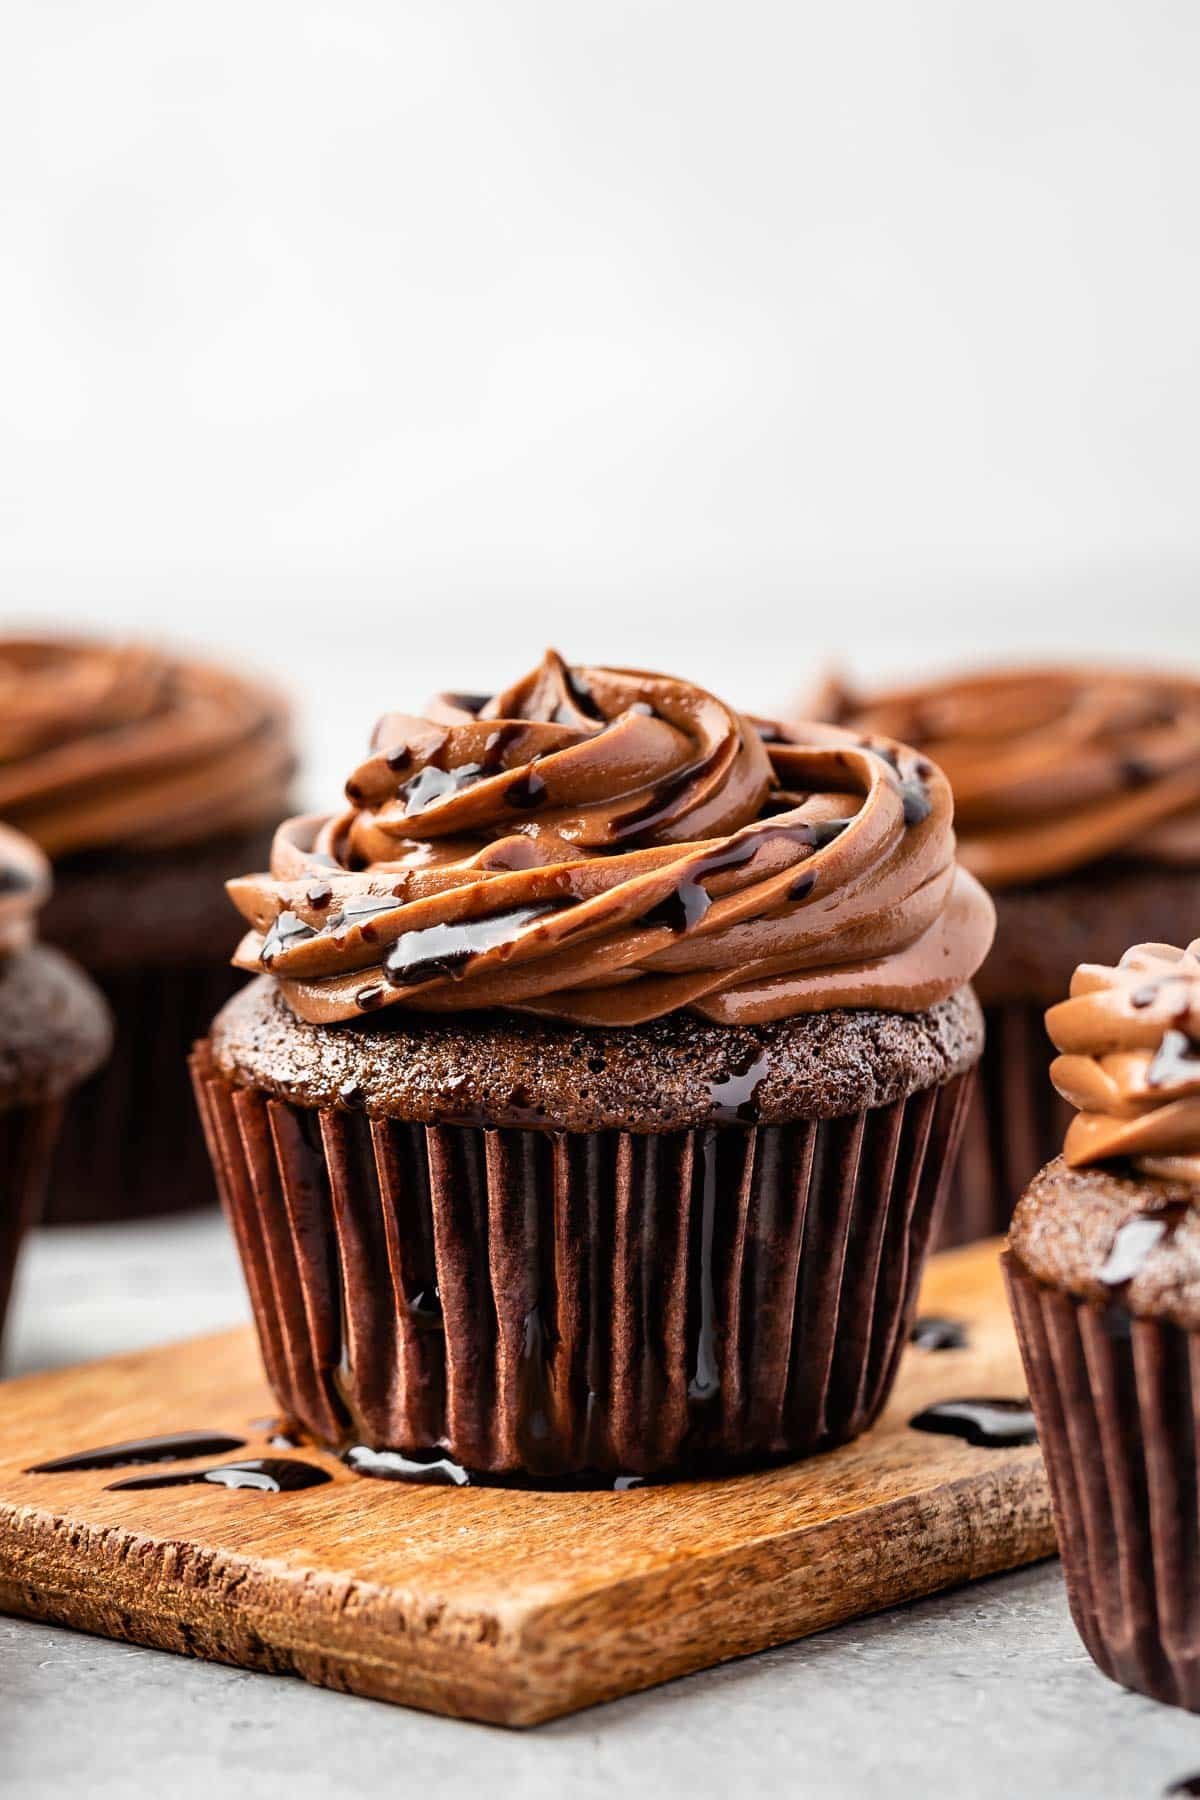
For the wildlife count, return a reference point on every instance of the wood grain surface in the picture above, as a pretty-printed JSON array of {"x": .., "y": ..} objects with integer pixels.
[{"x": 496, "y": 1604}]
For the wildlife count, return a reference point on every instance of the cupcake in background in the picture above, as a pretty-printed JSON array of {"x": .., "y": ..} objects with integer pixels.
[
  {"x": 1104, "y": 1277},
  {"x": 606, "y": 1062},
  {"x": 147, "y": 779},
  {"x": 54, "y": 1031},
  {"x": 1077, "y": 804}
]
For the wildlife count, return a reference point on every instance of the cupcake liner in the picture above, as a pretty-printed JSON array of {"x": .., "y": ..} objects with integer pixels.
[
  {"x": 27, "y": 1135},
  {"x": 1116, "y": 1400},
  {"x": 132, "y": 1145},
  {"x": 1015, "y": 1127},
  {"x": 554, "y": 1303}
]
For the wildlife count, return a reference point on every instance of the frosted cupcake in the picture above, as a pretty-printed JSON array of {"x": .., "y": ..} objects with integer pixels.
[{"x": 605, "y": 1065}]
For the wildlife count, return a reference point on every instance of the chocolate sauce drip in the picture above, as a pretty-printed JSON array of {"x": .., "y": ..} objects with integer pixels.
[
  {"x": 423, "y": 1468},
  {"x": 824, "y": 831},
  {"x": 705, "y": 1382},
  {"x": 938, "y": 1334},
  {"x": 1130, "y": 1247},
  {"x": 446, "y": 949},
  {"x": 1177, "y": 1060},
  {"x": 987, "y": 1424},
  {"x": 734, "y": 1101},
  {"x": 500, "y": 740},
  {"x": 527, "y": 792},
  {"x": 581, "y": 700},
  {"x": 172, "y": 1446},
  {"x": 286, "y": 931},
  {"x": 431, "y": 784},
  {"x": 658, "y": 806},
  {"x": 690, "y": 901},
  {"x": 359, "y": 909},
  {"x": 266, "y": 1474},
  {"x": 917, "y": 804}
]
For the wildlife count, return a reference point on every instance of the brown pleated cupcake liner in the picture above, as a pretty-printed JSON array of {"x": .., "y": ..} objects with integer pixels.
[
  {"x": 1117, "y": 1401},
  {"x": 557, "y": 1303},
  {"x": 27, "y": 1135},
  {"x": 132, "y": 1145},
  {"x": 1016, "y": 1125}
]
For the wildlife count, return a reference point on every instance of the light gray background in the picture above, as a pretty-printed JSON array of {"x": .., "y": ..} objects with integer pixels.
[
  {"x": 376, "y": 344},
  {"x": 383, "y": 341}
]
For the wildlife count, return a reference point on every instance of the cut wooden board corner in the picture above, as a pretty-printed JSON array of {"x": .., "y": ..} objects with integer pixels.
[{"x": 496, "y": 1604}]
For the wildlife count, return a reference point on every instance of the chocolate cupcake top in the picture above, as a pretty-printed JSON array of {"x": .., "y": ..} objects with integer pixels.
[
  {"x": 608, "y": 846},
  {"x": 1129, "y": 1039},
  {"x": 24, "y": 887},
  {"x": 1117, "y": 1216},
  {"x": 1052, "y": 769},
  {"x": 121, "y": 746}
]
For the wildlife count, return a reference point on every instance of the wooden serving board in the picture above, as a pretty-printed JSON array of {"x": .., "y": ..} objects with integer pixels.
[{"x": 497, "y": 1604}]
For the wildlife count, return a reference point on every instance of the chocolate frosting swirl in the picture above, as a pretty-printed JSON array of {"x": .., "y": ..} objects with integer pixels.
[
  {"x": 607, "y": 846},
  {"x": 24, "y": 887},
  {"x": 1130, "y": 1062},
  {"x": 117, "y": 745},
  {"x": 1052, "y": 769}
]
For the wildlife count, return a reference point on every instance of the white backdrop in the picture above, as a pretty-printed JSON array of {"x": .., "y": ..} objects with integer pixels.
[{"x": 379, "y": 342}]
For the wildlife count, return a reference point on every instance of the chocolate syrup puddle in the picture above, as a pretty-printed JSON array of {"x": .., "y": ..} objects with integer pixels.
[
  {"x": 173, "y": 1446},
  {"x": 933, "y": 1333},
  {"x": 265, "y": 1474},
  {"x": 987, "y": 1424},
  {"x": 423, "y": 1468},
  {"x": 433, "y": 1468}
]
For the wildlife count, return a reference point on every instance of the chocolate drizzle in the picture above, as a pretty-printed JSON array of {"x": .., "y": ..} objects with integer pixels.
[
  {"x": 171, "y": 1446},
  {"x": 986, "y": 1424},
  {"x": 734, "y": 1101},
  {"x": 447, "y": 949},
  {"x": 286, "y": 932}
]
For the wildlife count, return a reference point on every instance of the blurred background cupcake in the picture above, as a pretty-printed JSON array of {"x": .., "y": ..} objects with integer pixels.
[
  {"x": 54, "y": 1030},
  {"x": 725, "y": 982},
  {"x": 1077, "y": 803},
  {"x": 1104, "y": 1278},
  {"x": 147, "y": 779}
]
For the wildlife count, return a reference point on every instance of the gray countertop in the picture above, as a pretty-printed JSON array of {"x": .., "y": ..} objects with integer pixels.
[{"x": 983, "y": 1692}]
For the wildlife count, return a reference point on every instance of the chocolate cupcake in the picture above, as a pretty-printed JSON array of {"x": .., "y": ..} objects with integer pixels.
[
  {"x": 148, "y": 780},
  {"x": 54, "y": 1030},
  {"x": 593, "y": 1109},
  {"x": 1104, "y": 1278},
  {"x": 1077, "y": 804}
]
